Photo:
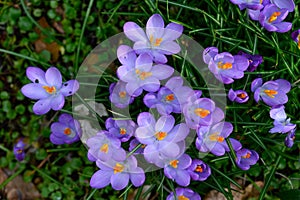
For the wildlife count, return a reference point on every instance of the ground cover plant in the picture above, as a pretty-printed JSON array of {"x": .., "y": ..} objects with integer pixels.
[{"x": 149, "y": 99}]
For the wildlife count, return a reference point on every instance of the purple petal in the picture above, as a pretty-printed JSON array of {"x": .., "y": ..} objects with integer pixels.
[
  {"x": 69, "y": 87},
  {"x": 151, "y": 84},
  {"x": 184, "y": 161},
  {"x": 57, "y": 102},
  {"x": 53, "y": 77},
  {"x": 162, "y": 71},
  {"x": 241, "y": 62},
  {"x": 126, "y": 55},
  {"x": 133, "y": 89},
  {"x": 144, "y": 62},
  {"x": 173, "y": 31},
  {"x": 288, "y": 4},
  {"x": 146, "y": 119},
  {"x": 232, "y": 95},
  {"x": 284, "y": 85},
  {"x": 36, "y": 75},
  {"x": 174, "y": 82},
  {"x": 169, "y": 149},
  {"x": 209, "y": 53},
  {"x": 165, "y": 124},
  {"x": 283, "y": 27},
  {"x": 169, "y": 47},
  {"x": 218, "y": 149},
  {"x": 34, "y": 91},
  {"x": 56, "y": 140},
  {"x": 137, "y": 177},
  {"x": 119, "y": 181},
  {"x": 183, "y": 178},
  {"x": 254, "y": 14},
  {"x": 179, "y": 132},
  {"x": 134, "y": 32},
  {"x": 42, "y": 106},
  {"x": 119, "y": 154},
  {"x": 256, "y": 83},
  {"x": 155, "y": 26},
  {"x": 101, "y": 179},
  {"x": 159, "y": 57}
]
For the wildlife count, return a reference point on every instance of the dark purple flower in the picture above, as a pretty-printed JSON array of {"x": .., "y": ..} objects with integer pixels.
[
  {"x": 183, "y": 194},
  {"x": 271, "y": 18},
  {"x": 118, "y": 174},
  {"x": 133, "y": 144},
  {"x": 288, "y": 4},
  {"x": 254, "y": 60},
  {"x": 121, "y": 129},
  {"x": 119, "y": 96},
  {"x": 281, "y": 123},
  {"x": 19, "y": 150},
  {"x": 212, "y": 139},
  {"x": 158, "y": 40},
  {"x": 198, "y": 170},
  {"x": 144, "y": 76},
  {"x": 252, "y": 4},
  {"x": 209, "y": 53},
  {"x": 296, "y": 37},
  {"x": 239, "y": 96},
  {"x": 245, "y": 158},
  {"x": 48, "y": 89},
  {"x": 169, "y": 98},
  {"x": 273, "y": 93},
  {"x": 226, "y": 67},
  {"x": 176, "y": 169},
  {"x": 289, "y": 139},
  {"x": 104, "y": 147},
  {"x": 66, "y": 131}
]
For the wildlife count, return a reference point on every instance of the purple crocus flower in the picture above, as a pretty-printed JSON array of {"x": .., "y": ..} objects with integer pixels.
[
  {"x": 48, "y": 89},
  {"x": 198, "y": 170},
  {"x": 273, "y": 93},
  {"x": 281, "y": 123},
  {"x": 176, "y": 169},
  {"x": 212, "y": 139},
  {"x": 104, "y": 147},
  {"x": 118, "y": 174},
  {"x": 209, "y": 53},
  {"x": 271, "y": 18},
  {"x": 170, "y": 98},
  {"x": 144, "y": 76},
  {"x": 19, "y": 150},
  {"x": 66, "y": 131},
  {"x": 245, "y": 158},
  {"x": 118, "y": 95},
  {"x": 239, "y": 96},
  {"x": 121, "y": 129},
  {"x": 296, "y": 37},
  {"x": 183, "y": 194},
  {"x": 161, "y": 137},
  {"x": 133, "y": 144},
  {"x": 254, "y": 60},
  {"x": 226, "y": 67},
  {"x": 254, "y": 14},
  {"x": 158, "y": 40},
  {"x": 289, "y": 139},
  {"x": 252, "y": 4}
]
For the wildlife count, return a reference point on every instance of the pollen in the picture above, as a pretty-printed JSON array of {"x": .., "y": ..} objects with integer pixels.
[
  {"x": 226, "y": 65},
  {"x": 242, "y": 95},
  {"x": 118, "y": 168},
  {"x": 122, "y": 94},
  {"x": 49, "y": 90},
  {"x": 274, "y": 16},
  {"x": 199, "y": 169},
  {"x": 158, "y": 41},
  {"x": 298, "y": 41},
  {"x": 174, "y": 163},
  {"x": 271, "y": 93},
  {"x": 122, "y": 131},
  {"x": 201, "y": 112},
  {"x": 260, "y": 1},
  {"x": 143, "y": 75},
  {"x": 248, "y": 155},
  {"x": 182, "y": 197},
  {"x": 67, "y": 131},
  {"x": 19, "y": 151},
  {"x": 160, "y": 135},
  {"x": 216, "y": 137},
  {"x": 104, "y": 148},
  {"x": 170, "y": 97}
]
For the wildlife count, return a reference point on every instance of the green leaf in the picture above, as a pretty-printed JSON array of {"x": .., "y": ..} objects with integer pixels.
[
  {"x": 25, "y": 24},
  {"x": 4, "y": 95},
  {"x": 14, "y": 14},
  {"x": 290, "y": 194}
]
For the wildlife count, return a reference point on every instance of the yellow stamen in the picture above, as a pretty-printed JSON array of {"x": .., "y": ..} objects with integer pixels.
[
  {"x": 122, "y": 131},
  {"x": 298, "y": 41},
  {"x": 182, "y": 197},
  {"x": 242, "y": 95},
  {"x": 104, "y": 148},
  {"x": 118, "y": 168},
  {"x": 174, "y": 163},
  {"x": 143, "y": 146},
  {"x": 170, "y": 97},
  {"x": 122, "y": 94},
  {"x": 49, "y": 90},
  {"x": 271, "y": 93},
  {"x": 67, "y": 131},
  {"x": 260, "y": 1},
  {"x": 158, "y": 41},
  {"x": 19, "y": 151},
  {"x": 151, "y": 39},
  {"x": 143, "y": 75},
  {"x": 201, "y": 112},
  {"x": 161, "y": 135},
  {"x": 274, "y": 16},
  {"x": 216, "y": 137},
  {"x": 226, "y": 65},
  {"x": 199, "y": 169},
  {"x": 248, "y": 155}
]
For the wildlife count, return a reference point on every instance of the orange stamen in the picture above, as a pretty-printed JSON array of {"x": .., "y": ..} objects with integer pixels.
[
  {"x": 224, "y": 65},
  {"x": 274, "y": 16},
  {"x": 161, "y": 135},
  {"x": 199, "y": 169},
  {"x": 216, "y": 137},
  {"x": 122, "y": 131},
  {"x": 248, "y": 155},
  {"x": 49, "y": 90},
  {"x": 67, "y": 131},
  {"x": 174, "y": 163},
  {"x": 118, "y": 168},
  {"x": 104, "y": 148},
  {"x": 122, "y": 94},
  {"x": 201, "y": 112},
  {"x": 170, "y": 97},
  {"x": 242, "y": 95},
  {"x": 182, "y": 197},
  {"x": 271, "y": 93}
]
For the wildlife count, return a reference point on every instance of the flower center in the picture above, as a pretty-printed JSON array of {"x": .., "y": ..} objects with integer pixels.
[
  {"x": 199, "y": 169},
  {"x": 271, "y": 93},
  {"x": 122, "y": 131},
  {"x": 104, "y": 148},
  {"x": 157, "y": 41},
  {"x": 260, "y": 1},
  {"x": 174, "y": 163},
  {"x": 248, "y": 155},
  {"x": 170, "y": 97},
  {"x": 274, "y": 16},
  {"x": 226, "y": 65},
  {"x": 216, "y": 137},
  {"x": 19, "y": 151},
  {"x": 201, "y": 112},
  {"x": 122, "y": 94},
  {"x": 118, "y": 168},
  {"x": 143, "y": 75},
  {"x": 298, "y": 41},
  {"x": 242, "y": 95},
  {"x": 182, "y": 197},
  {"x": 67, "y": 131},
  {"x": 160, "y": 135},
  {"x": 49, "y": 90}
]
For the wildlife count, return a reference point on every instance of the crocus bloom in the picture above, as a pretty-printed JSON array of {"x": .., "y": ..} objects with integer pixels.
[
  {"x": 170, "y": 98},
  {"x": 66, "y": 131},
  {"x": 19, "y": 150},
  {"x": 289, "y": 139},
  {"x": 144, "y": 76},
  {"x": 121, "y": 129},
  {"x": 254, "y": 60},
  {"x": 118, "y": 95},
  {"x": 161, "y": 137},
  {"x": 212, "y": 139},
  {"x": 251, "y": 4},
  {"x": 48, "y": 89},
  {"x": 158, "y": 40},
  {"x": 133, "y": 144},
  {"x": 296, "y": 37},
  {"x": 104, "y": 147},
  {"x": 209, "y": 53},
  {"x": 118, "y": 174},
  {"x": 273, "y": 93},
  {"x": 288, "y": 4},
  {"x": 239, "y": 96},
  {"x": 198, "y": 170},
  {"x": 281, "y": 123},
  {"x": 271, "y": 18},
  {"x": 245, "y": 158},
  {"x": 226, "y": 67},
  {"x": 183, "y": 194},
  {"x": 254, "y": 14},
  {"x": 176, "y": 169}
]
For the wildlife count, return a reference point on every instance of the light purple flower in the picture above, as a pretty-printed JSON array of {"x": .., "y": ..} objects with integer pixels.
[
  {"x": 281, "y": 123},
  {"x": 66, "y": 131},
  {"x": 296, "y": 37},
  {"x": 118, "y": 174},
  {"x": 133, "y": 144},
  {"x": 239, "y": 96},
  {"x": 183, "y": 194},
  {"x": 273, "y": 93},
  {"x": 19, "y": 150},
  {"x": 290, "y": 138},
  {"x": 271, "y": 18},
  {"x": 158, "y": 40},
  {"x": 226, "y": 67},
  {"x": 104, "y": 147},
  {"x": 212, "y": 139},
  {"x": 121, "y": 129},
  {"x": 48, "y": 89},
  {"x": 144, "y": 76},
  {"x": 169, "y": 98},
  {"x": 198, "y": 170},
  {"x": 119, "y": 96},
  {"x": 251, "y": 4},
  {"x": 209, "y": 54},
  {"x": 254, "y": 60},
  {"x": 176, "y": 169},
  {"x": 245, "y": 158}
]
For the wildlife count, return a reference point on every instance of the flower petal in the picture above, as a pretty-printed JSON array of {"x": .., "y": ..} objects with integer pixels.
[
  {"x": 34, "y": 91},
  {"x": 36, "y": 75},
  {"x": 137, "y": 177},
  {"x": 173, "y": 31},
  {"x": 183, "y": 178},
  {"x": 100, "y": 179},
  {"x": 53, "y": 77},
  {"x": 162, "y": 71},
  {"x": 42, "y": 106},
  {"x": 134, "y": 32},
  {"x": 165, "y": 124},
  {"x": 69, "y": 87},
  {"x": 58, "y": 102},
  {"x": 119, "y": 181}
]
